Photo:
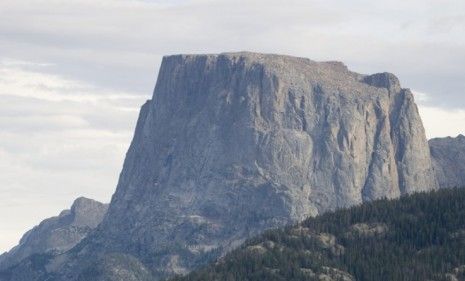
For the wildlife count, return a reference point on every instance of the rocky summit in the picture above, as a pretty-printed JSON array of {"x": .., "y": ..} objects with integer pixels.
[
  {"x": 236, "y": 143},
  {"x": 448, "y": 155},
  {"x": 57, "y": 234}
]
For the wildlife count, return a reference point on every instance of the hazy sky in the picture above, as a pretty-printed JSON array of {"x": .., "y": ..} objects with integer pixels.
[{"x": 73, "y": 74}]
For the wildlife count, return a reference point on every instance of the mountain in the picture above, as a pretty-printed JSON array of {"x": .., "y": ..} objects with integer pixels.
[
  {"x": 57, "y": 234},
  {"x": 233, "y": 144},
  {"x": 419, "y": 237},
  {"x": 448, "y": 156}
]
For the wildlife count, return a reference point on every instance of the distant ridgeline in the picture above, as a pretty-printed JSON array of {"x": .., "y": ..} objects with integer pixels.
[{"x": 419, "y": 237}]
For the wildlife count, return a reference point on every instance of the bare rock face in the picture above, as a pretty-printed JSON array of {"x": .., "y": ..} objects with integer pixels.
[
  {"x": 57, "y": 234},
  {"x": 233, "y": 144},
  {"x": 448, "y": 155}
]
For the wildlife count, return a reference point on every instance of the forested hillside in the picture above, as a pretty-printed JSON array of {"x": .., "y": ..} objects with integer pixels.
[{"x": 419, "y": 237}]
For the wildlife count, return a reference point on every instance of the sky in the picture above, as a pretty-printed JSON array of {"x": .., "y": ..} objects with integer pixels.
[{"x": 74, "y": 73}]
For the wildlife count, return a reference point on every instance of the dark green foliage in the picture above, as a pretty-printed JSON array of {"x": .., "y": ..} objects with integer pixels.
[{"x": 420, "y": 237}]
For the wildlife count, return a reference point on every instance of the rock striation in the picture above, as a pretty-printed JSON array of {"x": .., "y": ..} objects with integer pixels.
[
  {"x": 236, "y": 143},
  {"x": 57, "y": 234},
  {"x": 448, "y": 156}
]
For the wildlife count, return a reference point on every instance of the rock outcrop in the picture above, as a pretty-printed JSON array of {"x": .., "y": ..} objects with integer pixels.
[
  {"x": 57, "y": 234},
  {"x": 448, "y": 156},
  {"x": 236, "y": 143}
]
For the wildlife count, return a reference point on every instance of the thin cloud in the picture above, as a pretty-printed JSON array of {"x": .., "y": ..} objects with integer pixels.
[
  {"x": 59, "y": 139},
  {"x": 437, "y": 121},
  {"x": 119, "y": 44}
]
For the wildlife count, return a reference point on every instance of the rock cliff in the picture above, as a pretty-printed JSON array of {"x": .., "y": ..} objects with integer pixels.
[
  {"x": 233, "y": 144},
  {"x": 448, "y": 155},
  {"x": 57, "y": 234}
]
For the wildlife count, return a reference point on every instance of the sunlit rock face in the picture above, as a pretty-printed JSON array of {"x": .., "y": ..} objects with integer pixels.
[
  {"x": 233, "y": 144},
  {"x": 448, "y": 156}
]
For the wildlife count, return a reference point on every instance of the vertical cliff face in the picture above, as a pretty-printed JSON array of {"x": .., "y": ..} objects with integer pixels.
[
  {"x": 57, "y": 234},
  {"x": 448, "y": 155},
  {"x": 233, "y": 144}
]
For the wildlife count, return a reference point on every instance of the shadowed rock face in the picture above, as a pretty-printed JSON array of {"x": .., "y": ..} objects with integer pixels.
[
  {"x": 233, "y": 144},
  {"x": 57, "y": 234},
  {"x": 448, "y": 155}
]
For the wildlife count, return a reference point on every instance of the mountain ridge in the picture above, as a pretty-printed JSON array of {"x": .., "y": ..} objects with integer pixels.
[
  {"x": 57, "y": 234},
  {"x": 448, "y": 155}
]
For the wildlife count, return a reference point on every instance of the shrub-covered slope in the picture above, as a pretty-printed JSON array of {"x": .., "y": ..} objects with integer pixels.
[{"x": 420, "y": 237}]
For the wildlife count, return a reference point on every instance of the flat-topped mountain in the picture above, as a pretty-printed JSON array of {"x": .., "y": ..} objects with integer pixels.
[
  {"x": 58, "y": 234},
  {"x": 448, "y": 155},
  {"x": 233, "y": 144}
]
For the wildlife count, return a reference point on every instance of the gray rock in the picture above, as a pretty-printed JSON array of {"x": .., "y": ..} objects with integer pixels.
[
  {"x": 116, "y": 267},
  {"x": 367, "y": 230},
  {"x": 448, "y": 155},
  {"x": 457, "y": 274},
  {"x": 57, "y": 234},
  {"x": 334, "y": 274},
  {"x": 233, "y": 144}
]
